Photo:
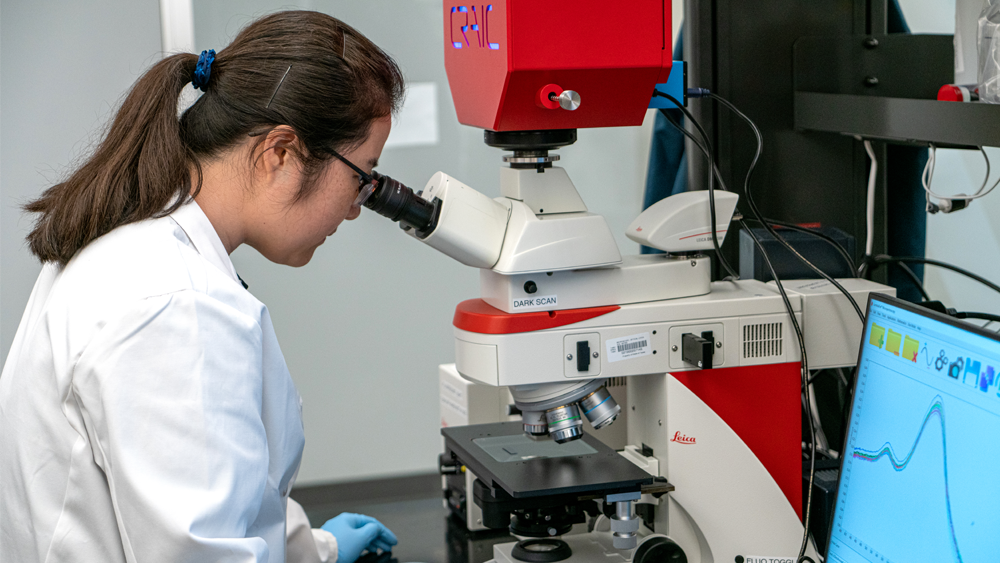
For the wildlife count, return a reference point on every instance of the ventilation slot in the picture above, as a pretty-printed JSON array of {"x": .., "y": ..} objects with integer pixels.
[
  {"x": 762, "y": 340},
  {"x": 615, "y": 382}
]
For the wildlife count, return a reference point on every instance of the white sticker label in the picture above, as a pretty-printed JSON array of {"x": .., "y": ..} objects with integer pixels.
[
  {"x": 629, "y": 347},
  {"x": 762, "y": 559},
  {"x": 546, "y": 302}
]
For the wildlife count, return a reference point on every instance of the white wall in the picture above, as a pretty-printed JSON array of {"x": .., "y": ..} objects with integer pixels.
[
  {"x": 969, "y": 238},
  {"x": 63, "y": 68}
]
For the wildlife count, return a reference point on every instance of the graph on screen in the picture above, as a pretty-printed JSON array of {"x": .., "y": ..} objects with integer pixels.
[{"x": 936, "y": 410}]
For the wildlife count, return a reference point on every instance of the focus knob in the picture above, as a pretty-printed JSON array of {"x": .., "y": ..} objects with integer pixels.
[{"x": 569, "y": 100}]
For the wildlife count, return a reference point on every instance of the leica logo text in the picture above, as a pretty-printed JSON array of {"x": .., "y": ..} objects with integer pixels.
[{"x": 682, "y": 439}]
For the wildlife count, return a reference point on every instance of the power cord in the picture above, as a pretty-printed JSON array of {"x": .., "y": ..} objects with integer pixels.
[
  {"x": 983, "y": 316},
  {"x": 805, "y": 384},
  {"x": 951, "y": 203},
  {"x": 873, "y": 262}
]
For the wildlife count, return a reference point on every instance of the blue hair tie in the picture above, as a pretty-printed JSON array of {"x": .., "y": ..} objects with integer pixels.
[{"x": 203, "y": 71}]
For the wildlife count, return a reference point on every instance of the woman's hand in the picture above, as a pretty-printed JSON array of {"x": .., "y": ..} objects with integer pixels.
[{"x": 357, "y": 533}]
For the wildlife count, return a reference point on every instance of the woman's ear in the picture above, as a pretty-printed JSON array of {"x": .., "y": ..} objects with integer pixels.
[{"x": 279, "y": 153}]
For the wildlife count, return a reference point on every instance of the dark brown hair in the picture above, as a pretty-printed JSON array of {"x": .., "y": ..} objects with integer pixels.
[{"x": 302, "y": 69}]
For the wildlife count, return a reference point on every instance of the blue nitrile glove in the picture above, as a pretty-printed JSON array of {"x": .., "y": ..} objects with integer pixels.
[{"x": 356, "y": 533}]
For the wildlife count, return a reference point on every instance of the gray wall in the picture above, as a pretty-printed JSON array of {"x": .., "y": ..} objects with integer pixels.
[
  {"x": 365, "y": 324},
  {"x": 63, "y": 68}
]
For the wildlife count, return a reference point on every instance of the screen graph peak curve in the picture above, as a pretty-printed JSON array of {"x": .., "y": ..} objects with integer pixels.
[{"x": 936, "y": 408}]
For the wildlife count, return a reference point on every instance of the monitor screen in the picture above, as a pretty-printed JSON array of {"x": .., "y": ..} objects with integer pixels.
[{"x": 920, "y": 473}]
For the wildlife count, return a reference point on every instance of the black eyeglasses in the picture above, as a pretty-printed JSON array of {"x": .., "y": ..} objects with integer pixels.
[{"x": 366, "y": 184}]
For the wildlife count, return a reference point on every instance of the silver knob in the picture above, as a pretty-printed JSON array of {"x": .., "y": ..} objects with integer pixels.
[{"x": 569, "y": 100}]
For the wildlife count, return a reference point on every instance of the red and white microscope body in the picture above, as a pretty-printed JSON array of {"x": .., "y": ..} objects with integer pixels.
[{"x": 561, "y": 312}]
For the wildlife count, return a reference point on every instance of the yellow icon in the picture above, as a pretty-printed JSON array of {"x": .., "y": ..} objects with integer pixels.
[
  {"x": 910, "y": 347},
  {"x": 893, "y": 341},
  {"x": 877, "y": 337}
]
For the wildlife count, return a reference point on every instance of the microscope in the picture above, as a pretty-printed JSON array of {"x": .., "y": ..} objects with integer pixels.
[{"x": 712, "y": 465}]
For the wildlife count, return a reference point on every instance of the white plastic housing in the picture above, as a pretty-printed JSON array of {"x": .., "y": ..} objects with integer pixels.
[
  {"x": 471, "y": 226},
  {"x": 545, "y": 192},
  {"x": 748, "y": 320},
  {"x": 830, "y": 326},
  {"x": 683, "y": 222},
  {"x": 736, "y": 313},
  {"x": 639, "y": 278},
  {"x": 548, "y": 243}
]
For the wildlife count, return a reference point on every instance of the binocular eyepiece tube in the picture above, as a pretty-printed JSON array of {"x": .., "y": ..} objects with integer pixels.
[{"x": 393, "y": 200}]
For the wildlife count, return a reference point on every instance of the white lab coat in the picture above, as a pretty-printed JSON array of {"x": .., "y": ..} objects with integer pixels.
[{"x": 146, "y": 411}]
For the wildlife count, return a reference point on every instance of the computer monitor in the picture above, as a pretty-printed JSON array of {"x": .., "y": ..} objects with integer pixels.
[{"x": 920, "y": 470}]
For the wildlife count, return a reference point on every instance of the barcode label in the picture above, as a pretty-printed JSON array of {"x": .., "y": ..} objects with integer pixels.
[
  {"x": 629, "y": 347},
  {"x": 623, "y": 347}
]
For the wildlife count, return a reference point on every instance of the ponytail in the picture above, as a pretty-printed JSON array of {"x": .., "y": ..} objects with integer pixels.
[
  {"x": 303, "y": 69},
  {"x": 139, "y": 167}
]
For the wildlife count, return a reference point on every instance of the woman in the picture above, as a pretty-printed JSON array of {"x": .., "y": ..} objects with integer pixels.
[{"x": 146, "y": 412}]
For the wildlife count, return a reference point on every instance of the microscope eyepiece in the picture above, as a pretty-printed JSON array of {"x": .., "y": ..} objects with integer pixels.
[{"x": 395, "y": 201}]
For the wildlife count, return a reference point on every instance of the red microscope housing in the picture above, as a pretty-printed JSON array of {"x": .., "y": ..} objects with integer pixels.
[{"x": 507, "y": 61}]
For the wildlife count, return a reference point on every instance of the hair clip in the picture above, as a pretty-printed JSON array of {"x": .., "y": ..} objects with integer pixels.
[{"x": 278, "y": 87}]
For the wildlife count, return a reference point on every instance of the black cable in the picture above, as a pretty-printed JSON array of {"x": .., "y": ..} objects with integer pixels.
[
  {"x": 804, "y": 392},
  {"x": 798, "y": 330},
  {"x": 757, "y": 214},
  {"x": 973, "y": 315},
  {"x": 916, "y": 281},
  {"x": 836, "y": 245},
  {"x": 711, "y": 182},
  {"x": 697, "y": 143},
  {"x": 886, "y": 259}
]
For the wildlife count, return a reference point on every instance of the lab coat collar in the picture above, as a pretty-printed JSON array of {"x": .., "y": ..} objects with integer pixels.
[{"x": 203, "y": 236}]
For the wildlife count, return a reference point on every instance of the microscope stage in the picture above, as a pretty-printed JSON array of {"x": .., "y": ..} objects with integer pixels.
[{"x": 501, "y": 455}]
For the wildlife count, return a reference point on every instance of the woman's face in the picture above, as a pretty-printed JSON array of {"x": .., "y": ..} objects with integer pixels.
[{"x": 291, "y": 229}]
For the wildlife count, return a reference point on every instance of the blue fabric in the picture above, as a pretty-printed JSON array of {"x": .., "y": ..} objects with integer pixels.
[
  {"x": 667, "y": 173},
  {"x": 203, "y": 71},
  {"x": 897, "y": 21}
]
